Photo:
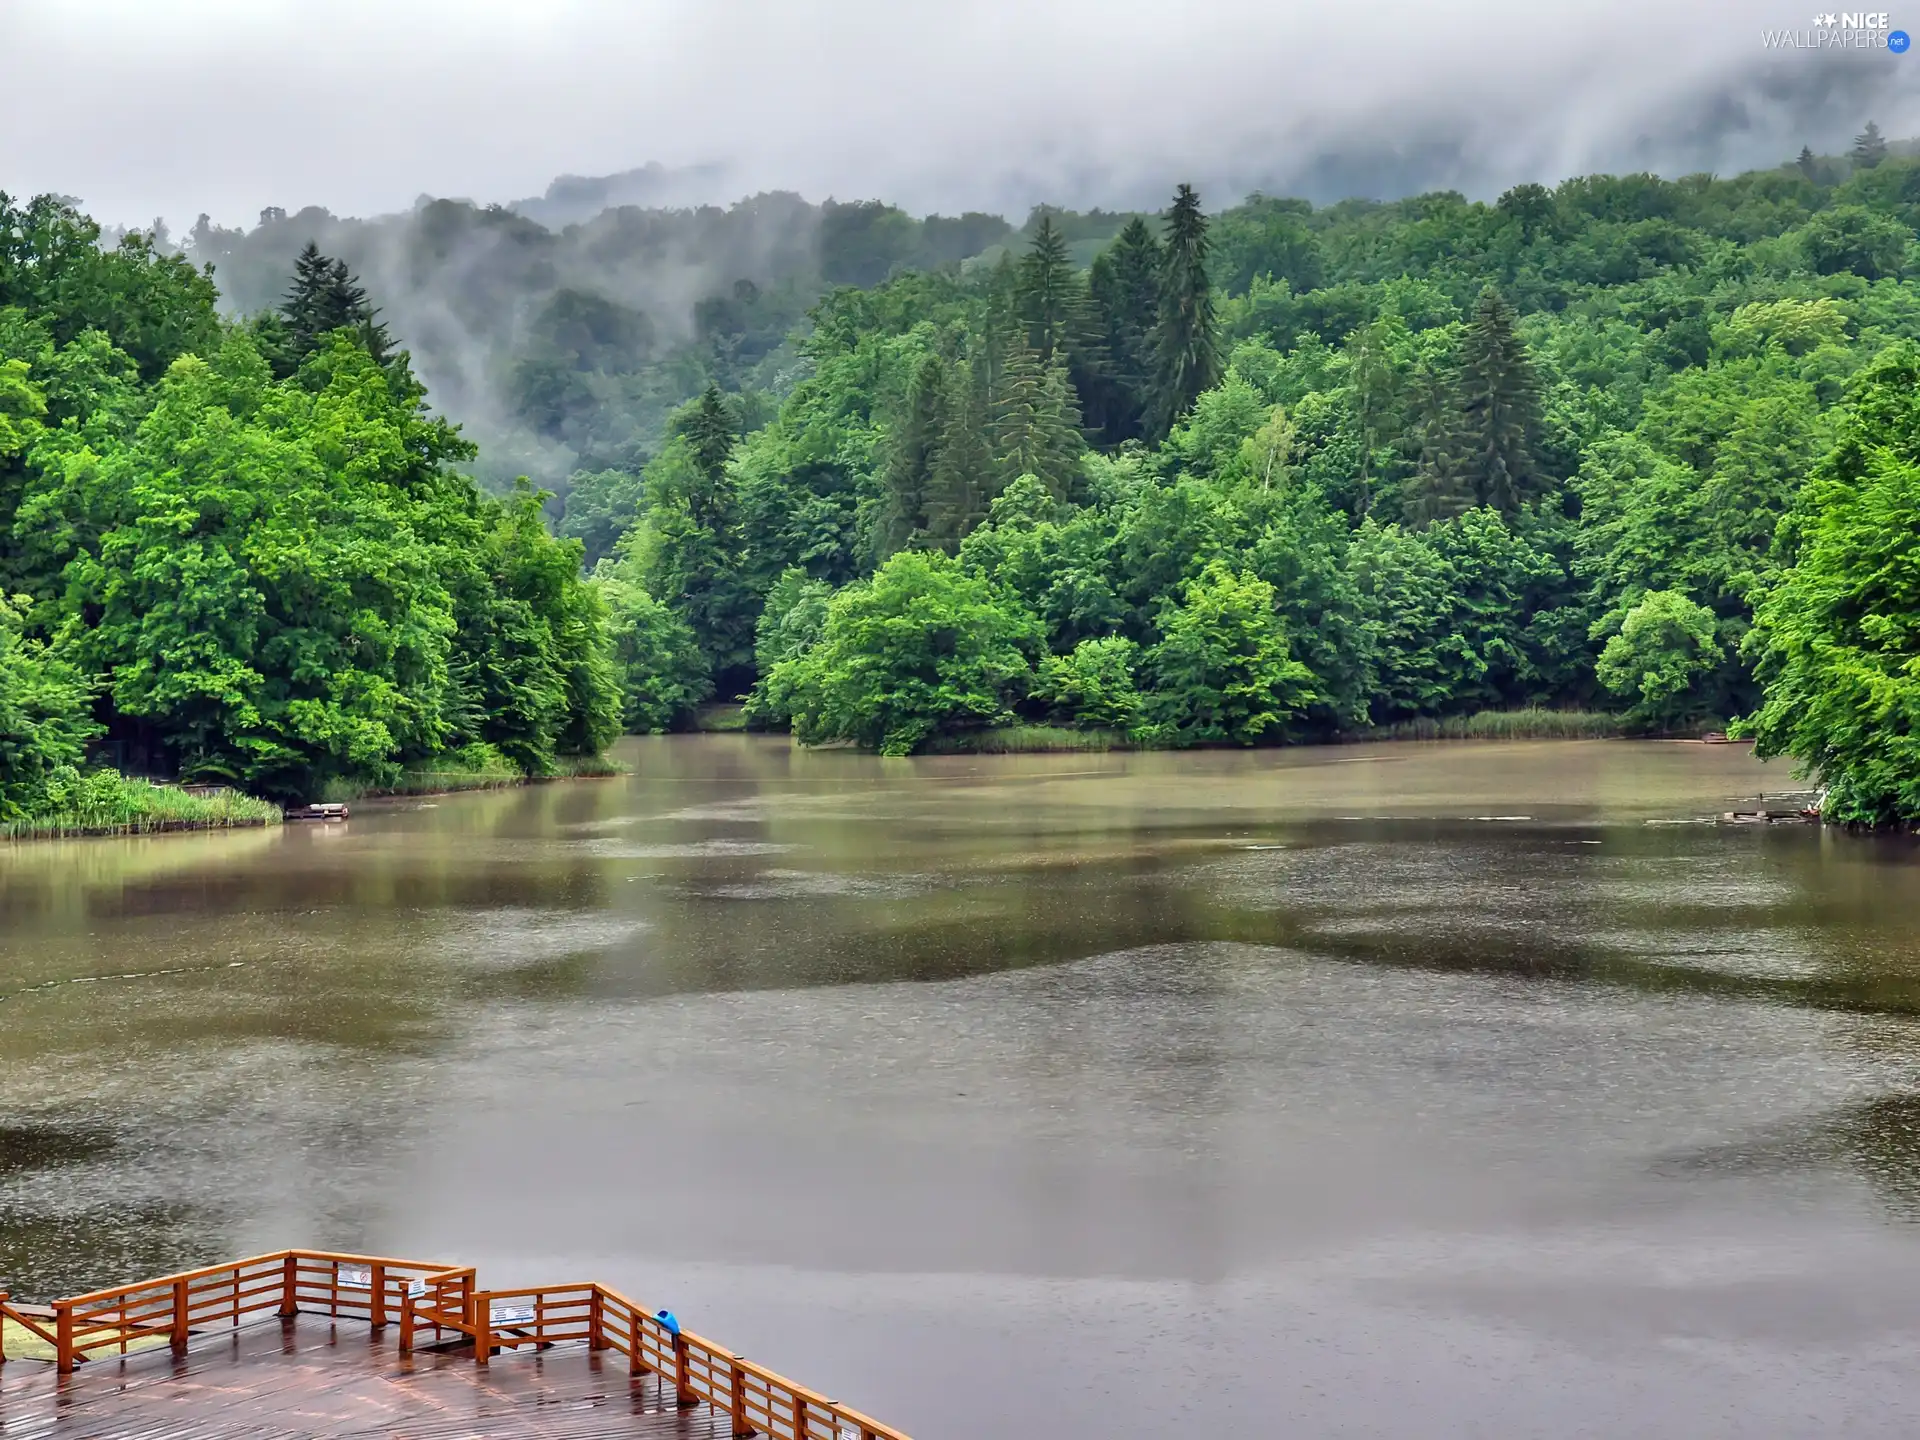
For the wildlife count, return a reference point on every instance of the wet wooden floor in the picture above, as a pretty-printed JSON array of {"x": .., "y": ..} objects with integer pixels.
[{"x": 309, "y": 1377}]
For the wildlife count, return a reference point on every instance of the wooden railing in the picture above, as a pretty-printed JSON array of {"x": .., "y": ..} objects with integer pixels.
[
  {"x": 32, "y": 1324},
  {"x": 444, "y": 1301},
  {"x": 761, "y": 1401},
  {"x": 416, "y": 1295},
  {"x": 284, "y": 1283}
]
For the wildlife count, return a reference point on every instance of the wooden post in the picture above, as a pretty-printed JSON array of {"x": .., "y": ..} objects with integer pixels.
[
  {"x": 63, "y": 1336},
  {"x": 596, "y": 1335},
  {"x": 3, "y": 1327},
  {"x": 482, "y": 1311},
  {"x": 636, "y": 1341},
  {"x": 406, "y": 1324},
  {"x": 289, "y": 1287},
  {"x": 799, "y": 1416},
  {"x": 377, "y": 1297},
  {"x": 682, "y": 1376},
  {"x": 737, "y": 1398},
  {"x": 180, "y": 1317}
]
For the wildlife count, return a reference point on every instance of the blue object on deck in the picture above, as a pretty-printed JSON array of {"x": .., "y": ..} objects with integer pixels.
[{"x": 666, "y": 1318}]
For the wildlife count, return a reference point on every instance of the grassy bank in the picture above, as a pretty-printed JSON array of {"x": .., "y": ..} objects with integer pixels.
[
  {"x": 107, "y": 803},
  {"x": 473, "y": 767},
  {"x": 1504, "y": 725},
  {"x": 1026, "y": 740},
  {"x": 720, "y": 719}
]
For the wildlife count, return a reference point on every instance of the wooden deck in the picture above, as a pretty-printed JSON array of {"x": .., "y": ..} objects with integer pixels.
[
  {"x": 311, "y": 1343},
  {"x": 311, "y": 1376}
]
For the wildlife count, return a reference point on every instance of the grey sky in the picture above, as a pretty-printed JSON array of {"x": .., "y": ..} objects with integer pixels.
[{"x": 170, "y": 107}]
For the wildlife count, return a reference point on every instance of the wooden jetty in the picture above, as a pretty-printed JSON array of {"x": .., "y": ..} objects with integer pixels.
[{"x": 257, "y": 1350}]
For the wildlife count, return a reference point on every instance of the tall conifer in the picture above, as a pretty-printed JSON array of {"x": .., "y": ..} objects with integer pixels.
[
  {"x": 913, "y": 454},
  {"x": 324, "y": 297},
  {"x": 1125, "y": 285},
  {"x": 1499, "y": 407},
  {"x": 1869, "y": 147},
  {"x": 1186, "y": 358},
  {"x": 1046, "y": 295},
  {"x": 961, "y": 478},
  {"x": 1439, "y": 487},
  {"x": 711, "y": 434}
]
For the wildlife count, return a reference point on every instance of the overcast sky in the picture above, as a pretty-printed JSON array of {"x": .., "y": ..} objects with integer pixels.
[{"x": 172, "y": 107}]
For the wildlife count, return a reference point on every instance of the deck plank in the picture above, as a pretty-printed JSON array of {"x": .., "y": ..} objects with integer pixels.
[{"x": 311, "y": 1377}]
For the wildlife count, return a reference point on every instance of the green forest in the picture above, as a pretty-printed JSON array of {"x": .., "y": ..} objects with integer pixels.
[{"x": 1638, "y": 450}]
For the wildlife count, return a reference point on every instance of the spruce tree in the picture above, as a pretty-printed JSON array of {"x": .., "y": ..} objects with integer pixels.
[
  {"x": 1046, "y": 297},
  {"x": 1051, "y": 299},
  {"x": 1186, "y": 359},
  {"x": 1125, "y": 286},
  {"x": 711, "y": 434},
  {"x": 1499, "y": 408},
  {"x": 961, "y": 478},
  {"x": 325, "y": 296},
  {"x": 1036, "y": 424},
  {"x": 1869, "y": 147},
  {"x": 1439, "y": 487},
  {"x": 914, "y": 452},
  {"x": 1807, "y": 165}
]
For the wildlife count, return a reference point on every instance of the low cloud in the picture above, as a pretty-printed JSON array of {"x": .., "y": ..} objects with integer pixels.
[{"x": 228, "y": 106}]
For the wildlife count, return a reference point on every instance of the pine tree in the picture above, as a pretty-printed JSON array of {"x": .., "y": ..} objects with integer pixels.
[
  {"x": 1439, "y": 487},
  {"x": 914, "y": 453},
  {"x": 1052, "y": 302},
  {"x": 961, "y": 479},
  {"x": 1499, "y": 407},
  {"x": 1125, "y": 287},
  {"x": 1869, "y": 147},
  {"x": 1186, "y": 360},
  {"x": 1046, "y": 296},
  {"x": 711, "y": 434},
  {"x": 1036, "y": 424},
  {"x": 325, "y": 297},
  {"x": 1807, "y": 165}
]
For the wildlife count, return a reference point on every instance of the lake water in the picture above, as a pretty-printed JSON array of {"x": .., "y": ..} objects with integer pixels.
[{"x": 1404, "y": 1090}]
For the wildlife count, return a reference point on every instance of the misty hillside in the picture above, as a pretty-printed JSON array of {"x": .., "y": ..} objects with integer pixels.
[{"x": 562, "y": 349}]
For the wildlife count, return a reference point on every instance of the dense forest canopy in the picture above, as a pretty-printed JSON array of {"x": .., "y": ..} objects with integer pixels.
[{"x": 1275, "y": 473}]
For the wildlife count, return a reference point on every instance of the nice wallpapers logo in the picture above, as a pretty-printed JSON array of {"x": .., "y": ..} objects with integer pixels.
[{"x": 1845, "y": 30}]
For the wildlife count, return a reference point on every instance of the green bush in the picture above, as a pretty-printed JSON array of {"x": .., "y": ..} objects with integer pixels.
[
  {"x": 1665, "y": 649},
  {"x": 44, "y": 719},
  {"x": 921, "y": 649},
  {"x": 1223, "y": 672},
  {"x": 1093, "y": 686}
]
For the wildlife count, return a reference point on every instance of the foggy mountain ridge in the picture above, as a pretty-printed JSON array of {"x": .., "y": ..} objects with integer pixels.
[
  {"x": 587, "y": 298},
  {"x": 1746, "y": 115}
]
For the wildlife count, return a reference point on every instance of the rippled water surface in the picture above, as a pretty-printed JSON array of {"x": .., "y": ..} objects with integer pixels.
[{"x": 1402, "y": 1090}]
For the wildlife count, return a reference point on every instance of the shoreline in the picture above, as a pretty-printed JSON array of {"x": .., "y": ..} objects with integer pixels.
[
  {"x": 132, "y": 830},
  {"x": 252, "y": 813},
  {"x": 1486, "y": 725}
]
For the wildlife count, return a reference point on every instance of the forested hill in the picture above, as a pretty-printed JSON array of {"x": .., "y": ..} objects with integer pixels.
[
  {"x": 565, "y": 348},
  {"x": 1278, "y": 473},
  {"x": 1287, "y": 473}
]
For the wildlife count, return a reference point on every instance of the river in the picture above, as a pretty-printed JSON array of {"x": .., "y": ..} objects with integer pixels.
[{"x": 1396, "y": 1090}]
